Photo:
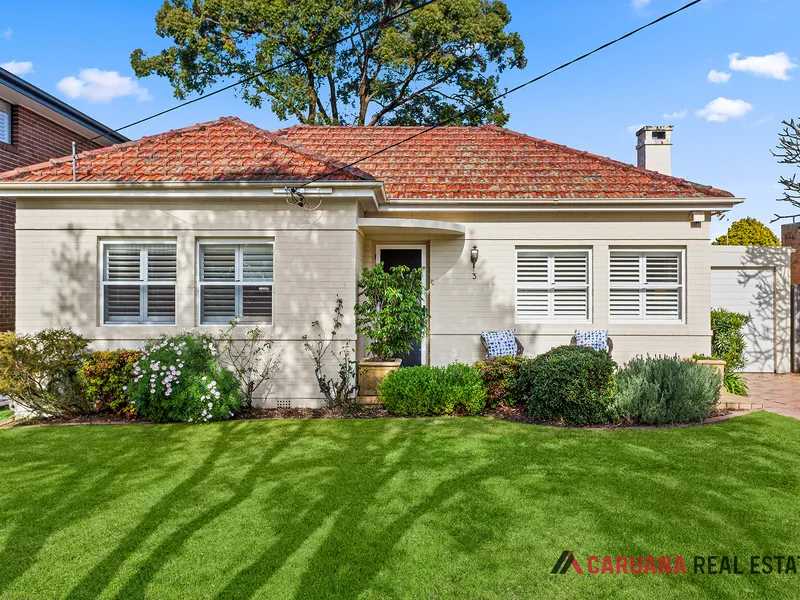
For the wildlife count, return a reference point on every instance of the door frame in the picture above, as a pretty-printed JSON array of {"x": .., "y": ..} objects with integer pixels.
[{"x": 423, "y": 248}]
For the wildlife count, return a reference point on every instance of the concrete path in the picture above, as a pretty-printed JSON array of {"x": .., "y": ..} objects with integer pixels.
[{"x": 777, "y": 393}]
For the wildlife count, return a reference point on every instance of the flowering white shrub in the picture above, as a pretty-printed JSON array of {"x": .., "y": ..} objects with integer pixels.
[{"x": 179, "y": 379}]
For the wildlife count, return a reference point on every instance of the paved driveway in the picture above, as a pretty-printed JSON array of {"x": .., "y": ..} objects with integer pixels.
[{"x": 778, "y": 393}]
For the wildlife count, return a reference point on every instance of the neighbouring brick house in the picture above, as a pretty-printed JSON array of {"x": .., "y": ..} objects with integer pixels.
[
  {"x": 35, "y": 127},
  {"x": 790, "y": 238}
]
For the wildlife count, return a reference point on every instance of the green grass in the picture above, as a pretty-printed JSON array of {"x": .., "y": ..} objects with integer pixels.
[
  {"x": 5, "y": 414},
  {"x": 419, "y": 508}
]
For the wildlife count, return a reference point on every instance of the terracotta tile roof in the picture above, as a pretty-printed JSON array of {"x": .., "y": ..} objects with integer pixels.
[
  {"x": 448, "y": 163},
  {"x": 487, "y": 162},
  {"x": 224, "y": 150}
]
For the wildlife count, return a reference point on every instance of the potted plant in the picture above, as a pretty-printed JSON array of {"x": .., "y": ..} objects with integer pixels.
[{"x": 392, "y": 318}]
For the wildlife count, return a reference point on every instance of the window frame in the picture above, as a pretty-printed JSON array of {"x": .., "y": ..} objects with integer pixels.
[
  {"x": 643, "y": 287},
  {"x": 142, "y": 283},
  {"x": 10, "y": 128},
  {"x": 238, "y": 283},
  {"x": 552, "y": 252}
]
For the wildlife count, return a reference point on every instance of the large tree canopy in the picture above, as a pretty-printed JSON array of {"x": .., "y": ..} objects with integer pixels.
[{"x": 421, "y": 68}]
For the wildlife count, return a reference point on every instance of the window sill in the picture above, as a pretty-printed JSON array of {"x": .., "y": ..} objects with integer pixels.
[{"x": 9, "y": 148}]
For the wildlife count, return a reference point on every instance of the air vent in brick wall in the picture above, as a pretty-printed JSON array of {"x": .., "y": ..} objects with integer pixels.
[{"x": 284, "y": 404}]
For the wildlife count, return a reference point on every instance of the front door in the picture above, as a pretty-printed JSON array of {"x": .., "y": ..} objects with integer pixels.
[{"x": 412, "y": 257}]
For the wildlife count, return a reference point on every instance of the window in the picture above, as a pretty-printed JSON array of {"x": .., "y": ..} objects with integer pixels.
[
  {"x": 5, "y": 122},
  {"x": 235, "y": 281},
  {"x": 552, "y": 286},
  {"x": 139, "y": 283},
  {"x": 646, "y": 286}
]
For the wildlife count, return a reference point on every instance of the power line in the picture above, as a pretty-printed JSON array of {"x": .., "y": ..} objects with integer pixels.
[
  {"x": 250, "y": 78},
  {"x": 499, "y": 96}
]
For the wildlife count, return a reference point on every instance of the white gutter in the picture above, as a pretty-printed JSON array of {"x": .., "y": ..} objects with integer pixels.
[
  {"x": 569, "y": 204},
  {"x": 370, "y": 191}
]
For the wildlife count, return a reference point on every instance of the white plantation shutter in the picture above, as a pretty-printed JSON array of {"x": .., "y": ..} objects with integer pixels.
[
  {"x": 5, "y": 122},
  {"x": 139, "y": 283},
  {"x": 646, "y": 286},
  {"x": 552, "y": 286},
  {"x": 236, "y": 281}
]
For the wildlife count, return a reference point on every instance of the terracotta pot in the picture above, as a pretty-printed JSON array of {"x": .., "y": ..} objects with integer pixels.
[{"x": 370, "y": 374}]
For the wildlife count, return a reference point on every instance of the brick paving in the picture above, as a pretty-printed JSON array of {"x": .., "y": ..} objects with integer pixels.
[{"x": 778, "y": 393}]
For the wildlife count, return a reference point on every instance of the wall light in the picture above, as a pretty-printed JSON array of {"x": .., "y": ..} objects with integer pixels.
[{"x": 473, "y": 256}]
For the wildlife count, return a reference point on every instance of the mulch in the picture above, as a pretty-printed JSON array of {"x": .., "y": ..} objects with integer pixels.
[{"x": 505, "y": 413}]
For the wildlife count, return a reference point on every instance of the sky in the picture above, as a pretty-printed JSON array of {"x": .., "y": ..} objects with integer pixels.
[{"x": 724, "y": 73}]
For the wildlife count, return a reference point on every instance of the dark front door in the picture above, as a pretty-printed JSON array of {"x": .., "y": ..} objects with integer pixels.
[{"x": 411, "y": 258}]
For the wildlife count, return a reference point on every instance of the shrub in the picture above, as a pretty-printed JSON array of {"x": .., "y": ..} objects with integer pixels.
[
  {"x": 39, "y": 372},
  {"x": 253, "y": 358},
  {"x": 666, "y": 390},
  {"x": 735, "y": 384},
  {"x": 569, "y": 384},
  {"x": 748, "y": 232},
  {"x": 424, "y": 390},
  {"x": 105, "y": 375},
  {"x": 391, "y": 315},
  {"x": 727, "y": 341},
  {"x": 179, "y": 379},
  {"x": 340, "y": 391},
  {"x": 500, "y": 375}
]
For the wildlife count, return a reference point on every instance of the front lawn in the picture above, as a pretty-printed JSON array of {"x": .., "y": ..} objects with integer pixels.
[{"x": 390, "y": 508}]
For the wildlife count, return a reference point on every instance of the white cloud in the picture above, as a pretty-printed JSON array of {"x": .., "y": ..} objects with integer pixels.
[
  {"x": 681, "y": 114},
  {"x": 18, "y": 67},
  {"x": 772, "y": 65},
  {"x": 7, "y": 33},
  {"x": 640, "y": 3},
  {"x": 95, "y": 85},
  {"x": 715, "y": 76},
  {"x": 724, "y": 109},
  {"x": 633, "y": 128}
]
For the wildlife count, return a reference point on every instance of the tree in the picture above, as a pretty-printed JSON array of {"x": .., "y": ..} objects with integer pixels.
[
  {"x": 748, "y": 232},
  {"x": 789, "y": 154},
  {"x": 421, "y": 68}
]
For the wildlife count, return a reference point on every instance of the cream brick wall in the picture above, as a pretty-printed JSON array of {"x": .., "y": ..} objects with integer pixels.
[
  {"x": 58, "y": 269},
  {"x": 462, "y": 307},
  {"x": 319, "y": 255}
]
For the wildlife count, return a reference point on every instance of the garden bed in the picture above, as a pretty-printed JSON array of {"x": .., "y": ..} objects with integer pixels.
[{"x": 505, "y": 413}]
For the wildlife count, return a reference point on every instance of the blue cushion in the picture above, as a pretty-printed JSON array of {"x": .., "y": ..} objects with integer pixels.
[
  {"x": 501, "y": 343},
  {"x": 597, "y": 339}
]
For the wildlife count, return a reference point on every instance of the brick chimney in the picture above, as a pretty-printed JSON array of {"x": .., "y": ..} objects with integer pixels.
[{"x": 654, "y": 148}]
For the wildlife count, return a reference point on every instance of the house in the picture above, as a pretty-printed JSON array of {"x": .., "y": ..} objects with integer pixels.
[
  {"x": 34, "y": 127},
  {"x": 189, "y": 228}
]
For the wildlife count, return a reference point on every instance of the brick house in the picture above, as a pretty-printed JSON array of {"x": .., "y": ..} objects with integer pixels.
[{"x": 35, "y": 127}]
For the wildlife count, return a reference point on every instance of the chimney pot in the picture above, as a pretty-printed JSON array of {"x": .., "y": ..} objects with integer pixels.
[{"x": 654, "y": 148}]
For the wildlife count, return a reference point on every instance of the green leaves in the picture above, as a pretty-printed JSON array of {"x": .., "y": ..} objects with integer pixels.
[
  {"x": 391, "y": 314},
  {"x": 727, "y": 341},
  {"x": 748, "y": 232},
  {"x": 419, "y": 68}
]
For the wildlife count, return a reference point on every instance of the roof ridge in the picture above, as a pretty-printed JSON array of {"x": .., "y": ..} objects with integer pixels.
[
  {"x": 617, "y": 163},
  {"x": 86, "y": 154},
  {"x": 277, "y": 138}
]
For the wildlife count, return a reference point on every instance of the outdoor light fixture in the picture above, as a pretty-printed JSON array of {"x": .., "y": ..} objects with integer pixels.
[{"x": 473, "y": 256}]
